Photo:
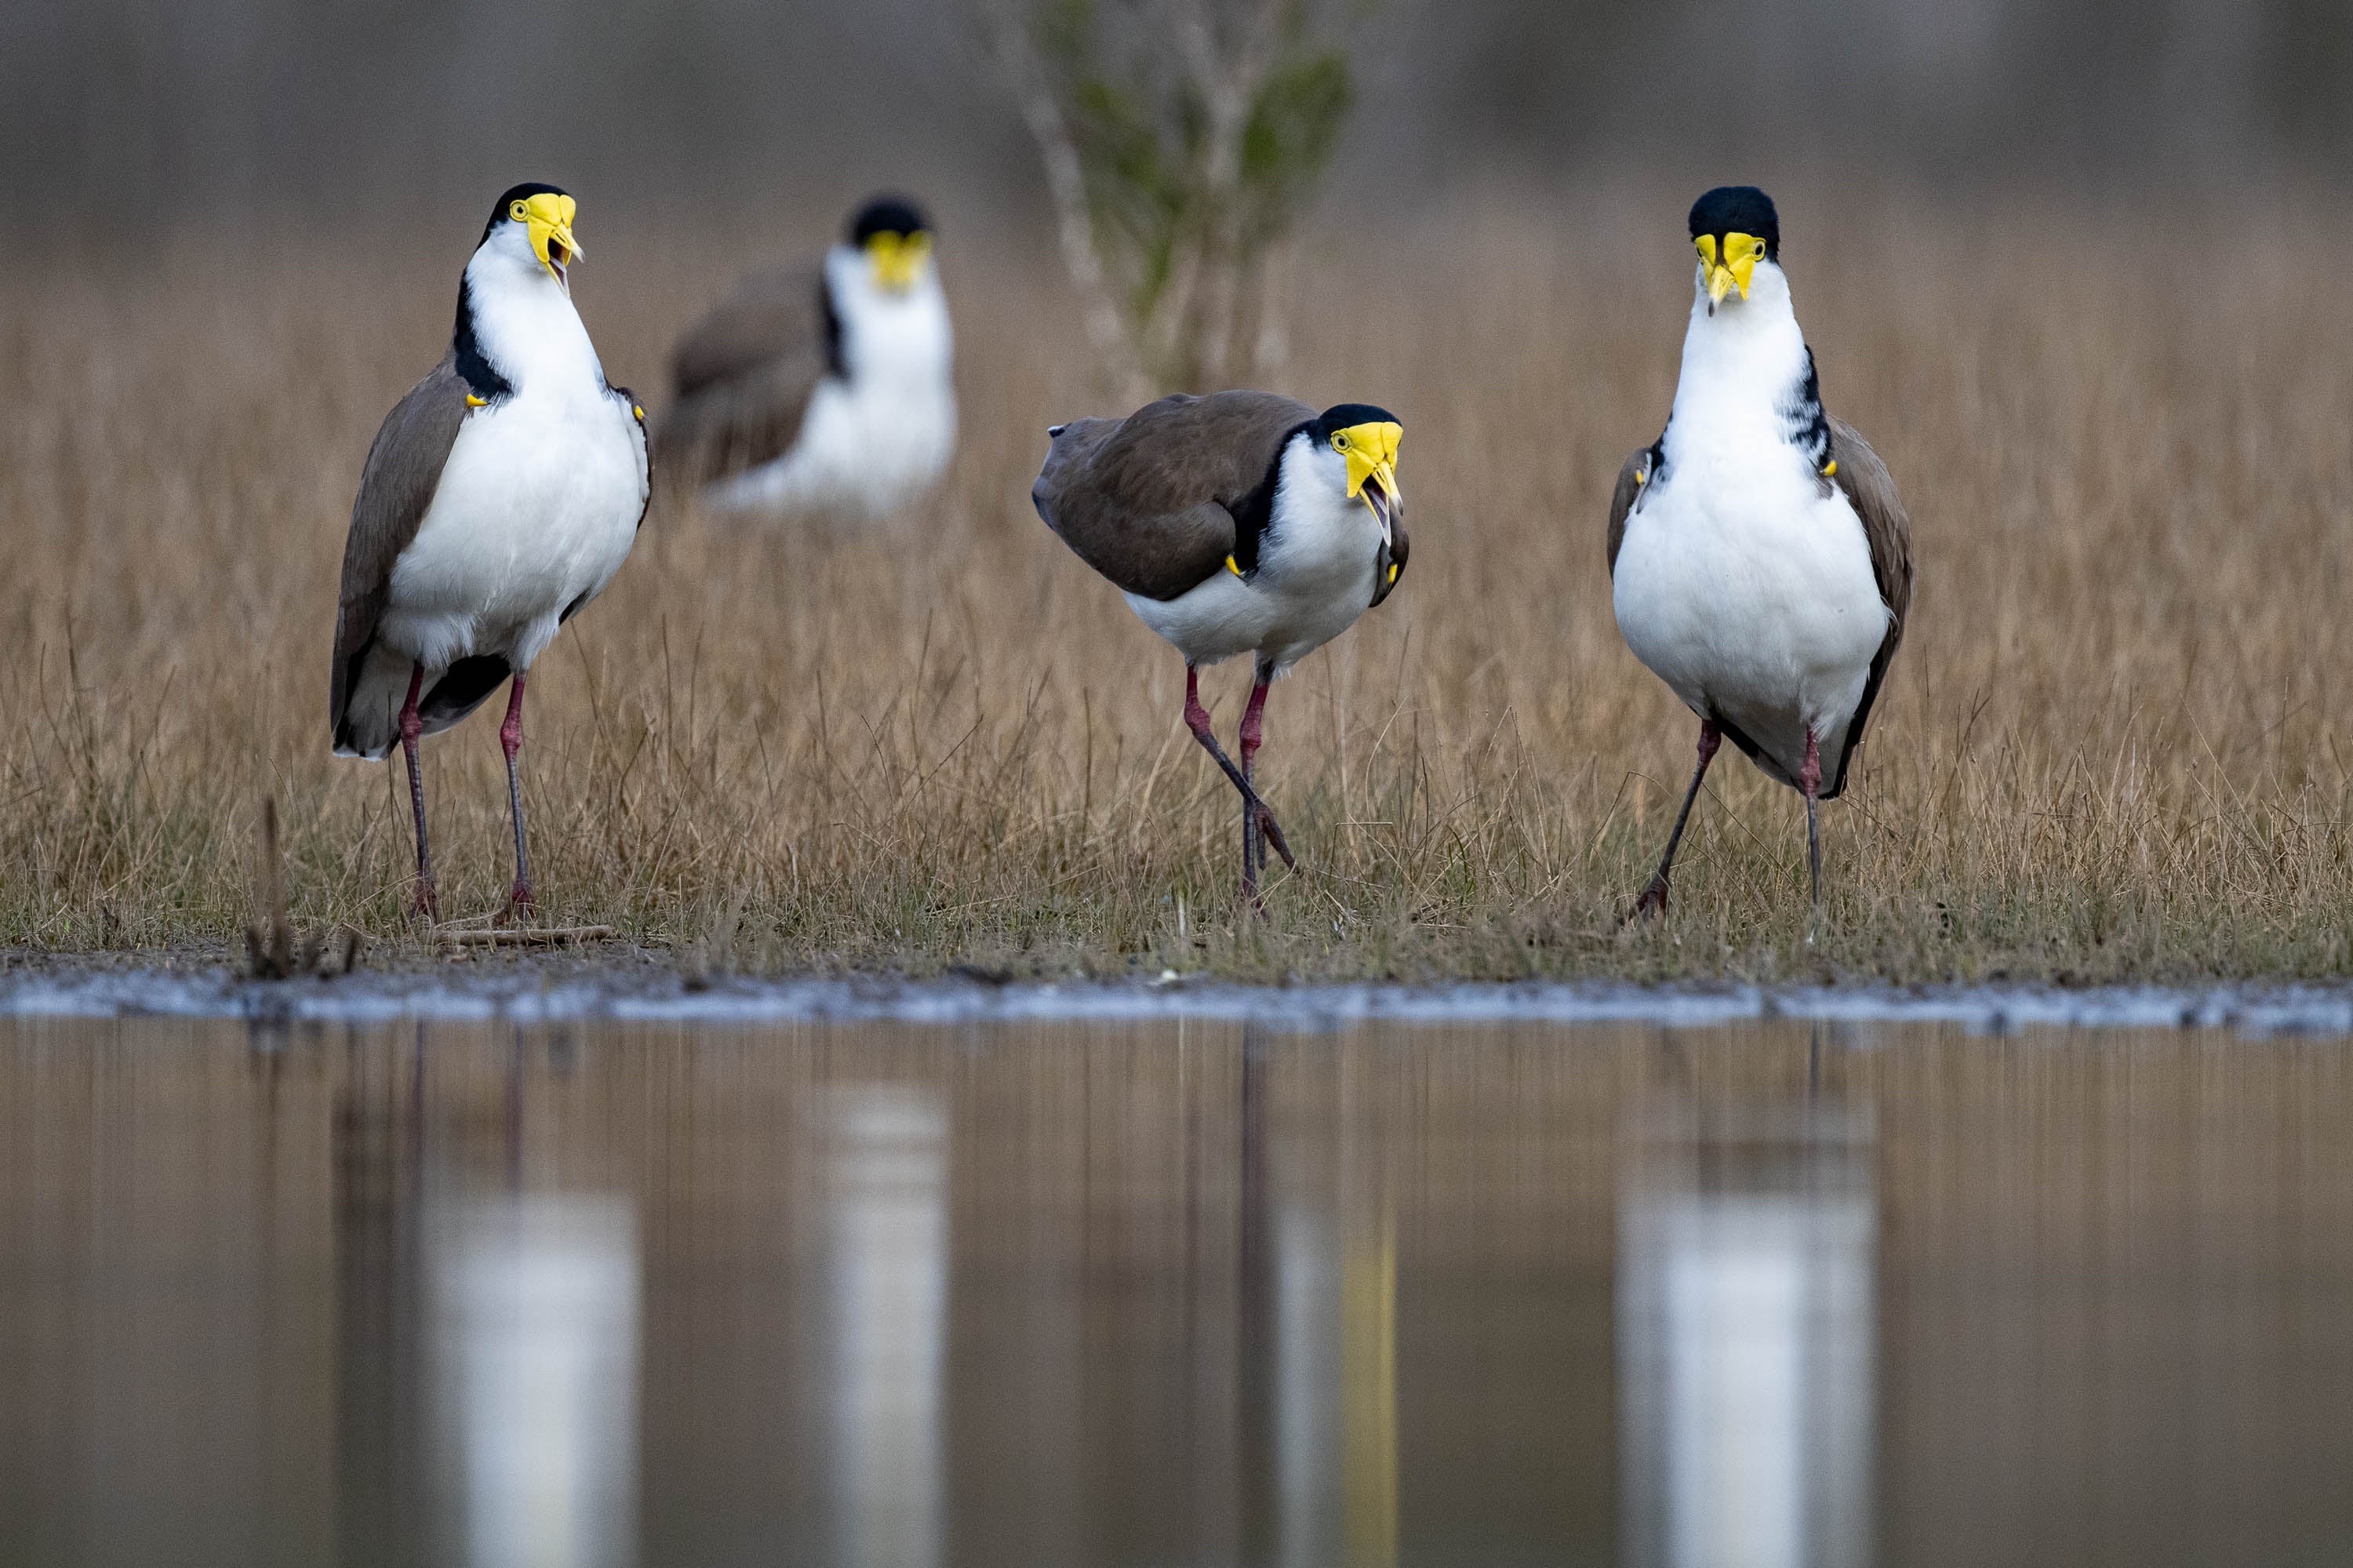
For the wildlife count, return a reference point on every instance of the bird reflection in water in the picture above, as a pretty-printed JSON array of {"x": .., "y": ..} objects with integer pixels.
[
  {"x": 1331, "y": 1386},
  {"x": 887, "y": 1233},
  {"x": 1745, "y": 1338},
  {"x": 535, "y": 1309}
]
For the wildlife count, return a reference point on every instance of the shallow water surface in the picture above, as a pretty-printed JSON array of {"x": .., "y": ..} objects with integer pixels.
[{"x": 1172, "y": 1292}]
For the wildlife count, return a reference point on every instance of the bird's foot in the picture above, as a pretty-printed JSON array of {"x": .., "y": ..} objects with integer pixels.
[
  {"x": 521, "y": 907},
  {"x": 1652, "y": 903},
  {"x": 423, "y": 905}
]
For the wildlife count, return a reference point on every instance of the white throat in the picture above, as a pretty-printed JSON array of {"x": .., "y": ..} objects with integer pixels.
[
  {"x": 523, "y": 321},
  {"x": 897, "y": 342},
  {"x": 1741, "y": 363},
  {"x": 1318, "y": 535}
]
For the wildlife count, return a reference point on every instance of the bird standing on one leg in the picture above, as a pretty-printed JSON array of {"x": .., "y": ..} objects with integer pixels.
[
  {"x": 501, "y": 495},
  {"x": 1238, "y": 522},
  {"x": 1760, "y": 562}
]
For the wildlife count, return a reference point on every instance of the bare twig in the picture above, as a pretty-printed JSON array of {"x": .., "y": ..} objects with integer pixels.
[
  {"x": 1066, "y": 183},
  {"x": 273, "y": 948},
  {"x": 1227, "y": 80},
  {"x": 537, "y": 936},
  {"x": 1151, "y": 114},
  {"x": 270, "y": 939}
]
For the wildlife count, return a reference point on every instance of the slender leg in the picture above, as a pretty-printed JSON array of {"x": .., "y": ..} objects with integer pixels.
[
  {"x": 1251, "y": 851},
  {"x": 1655, "y": 897},
  {"x": 1809, "y": 780},
  {"x": 1196, "y": 719},
  {"x": 511, "y": 742},
  {"x": 412, "y": 729},
  {"x": 1252, "y": 732}
]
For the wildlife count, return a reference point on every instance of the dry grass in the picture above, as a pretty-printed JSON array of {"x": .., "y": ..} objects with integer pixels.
[{"x": 2111, "y": 747}]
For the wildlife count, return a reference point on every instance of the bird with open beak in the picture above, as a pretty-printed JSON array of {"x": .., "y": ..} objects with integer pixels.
[
  {"x": 546, "y": 217},
  {"x": 501, "y": 496},
  {"x": 1238, "y": 522}
]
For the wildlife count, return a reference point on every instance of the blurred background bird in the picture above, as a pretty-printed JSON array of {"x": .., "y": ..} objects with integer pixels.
[
  {"x": 1240, "y": 523},
  {"x": 825, "y": 384},
  {"x": 500, "y": 495}
]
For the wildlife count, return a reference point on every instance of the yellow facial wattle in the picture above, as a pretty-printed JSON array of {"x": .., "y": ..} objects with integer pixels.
[
  {"x": 549, "y": 217},
  {"x": 1371, "y": 452},
  {"x": 897, "y": 258},
  {"x": 1730, "y": 266}
]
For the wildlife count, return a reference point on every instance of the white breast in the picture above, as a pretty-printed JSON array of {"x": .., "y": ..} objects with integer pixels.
[
  {"x": 1744, "y": 579},
  {"x": 537, "y": 508},
  {"x": 1313, "y": 578},
  {"x": 1755, "y": 602},
  {"x": 882, "y": 436},
  {"x": 539, "y": 501}
]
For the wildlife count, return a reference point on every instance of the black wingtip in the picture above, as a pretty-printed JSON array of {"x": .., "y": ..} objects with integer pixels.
[{"x": 1054, "y": 432}]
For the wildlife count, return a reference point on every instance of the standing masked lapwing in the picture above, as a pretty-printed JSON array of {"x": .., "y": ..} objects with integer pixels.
[
  {"x": 500, "y": 495},
  {"x": 1238, "y": 522},
  {"x": 830, "y": 386},
  {"x": 1760, "y": 562}
]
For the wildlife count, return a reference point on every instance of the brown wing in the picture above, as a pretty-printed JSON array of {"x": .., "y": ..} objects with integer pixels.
[
  {"x": 402, "y": 469},
  {"x": 743, "y": 376},
  {"x": 1150, "y": 501},
  {"x": 1632, "y": 476},
  {"x": 1871, "y": 490}
]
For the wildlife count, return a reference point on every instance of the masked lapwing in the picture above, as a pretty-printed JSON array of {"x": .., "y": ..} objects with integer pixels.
[
  {"x": 823, "y": 386},
  {"x": 1760, "y": 562},
  {"x": 1240, "y": 523},
  {"x": 500, "y": 495}
]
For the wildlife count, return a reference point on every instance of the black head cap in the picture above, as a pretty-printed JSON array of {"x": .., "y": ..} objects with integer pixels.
[
  {"x": 887, "y": 215},
  {"x": 1738, "y": 209},
  {"x": 522, "y": 192},
  {"x": 1347, "y": 415}
]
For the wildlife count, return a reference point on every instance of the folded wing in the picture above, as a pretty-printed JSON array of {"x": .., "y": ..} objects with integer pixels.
[
  {"x": 1887, "y": 527},
  {"x": 743, "y": 376},
  {"x": 1150, "y": 501},
  {"x": 402, "y": 471}
]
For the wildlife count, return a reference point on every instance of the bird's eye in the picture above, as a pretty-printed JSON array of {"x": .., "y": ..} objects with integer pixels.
[
  {"x": 1339, "y": 443},
  {"x": 519, "y": 212},
  {"x": 1760, "y": 250}
]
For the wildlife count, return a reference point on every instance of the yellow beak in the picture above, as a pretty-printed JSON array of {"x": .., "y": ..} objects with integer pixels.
[
  {"x": 550, "y": 217},
  {"x": 1372, "y": 454},
  {"x": 1732, "y": 268},
  {"x": 897, "y": 258}
]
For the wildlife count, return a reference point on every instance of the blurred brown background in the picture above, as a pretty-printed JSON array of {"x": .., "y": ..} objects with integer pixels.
[{"x": 117, "y": 112}]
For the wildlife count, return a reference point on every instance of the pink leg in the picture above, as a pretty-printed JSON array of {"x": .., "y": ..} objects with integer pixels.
[
  {"x": 1253, "y": 725},
  {"x": 1252, "y": 732},
  {"x": 1809, "y": 780},
  {"x": 1196, "y": 719},
  {"x": 511, "y": 742},
  {"x": 1655, "y": 897},
  {"x": 412, "y": 729}
]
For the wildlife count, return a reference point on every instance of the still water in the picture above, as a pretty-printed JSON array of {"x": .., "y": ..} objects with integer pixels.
[{"x": 1172, "y": 1293}]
